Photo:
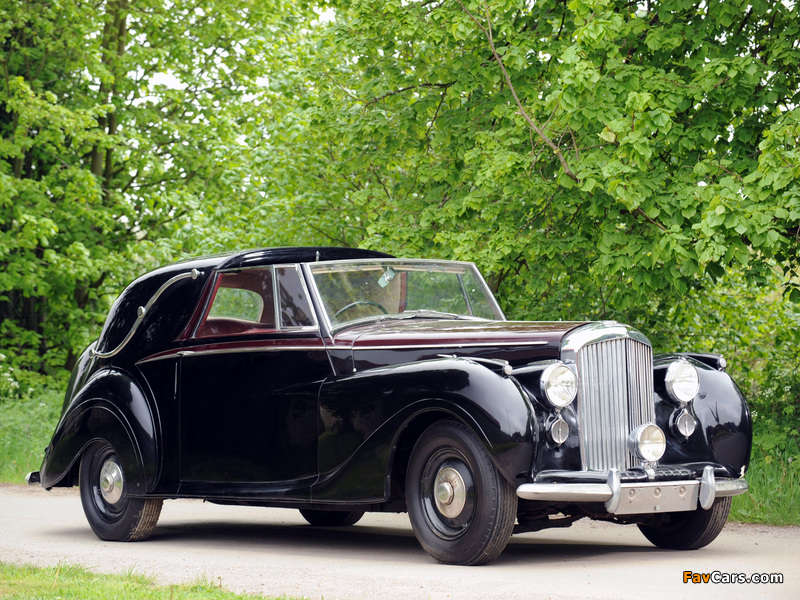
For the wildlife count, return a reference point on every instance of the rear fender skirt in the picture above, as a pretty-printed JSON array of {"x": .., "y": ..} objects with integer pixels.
[{"x": 110, "y": 407}]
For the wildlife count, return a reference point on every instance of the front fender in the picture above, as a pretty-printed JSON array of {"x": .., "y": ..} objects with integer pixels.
[
  {"x": 110, "y": 407},
  {"x": 364, "y": 415},
  {"x": 724, "y": 430}
]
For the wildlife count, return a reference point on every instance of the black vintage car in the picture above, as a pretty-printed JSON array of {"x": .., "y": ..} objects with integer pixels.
[{"x": 338, "y": 381}]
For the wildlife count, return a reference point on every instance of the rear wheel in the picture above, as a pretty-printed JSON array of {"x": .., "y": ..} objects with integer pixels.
[
  {"x": 112, "y": 514},
  {"x": 332, "y": 518},
  {"x": 461, "y": 509},
  {"x": 689, "y": 530}
]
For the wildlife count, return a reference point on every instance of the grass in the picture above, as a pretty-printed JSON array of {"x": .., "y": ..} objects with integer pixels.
[
  {"x": 774, "y": 497},
  {"x": 26, "y": 426},
  {"x": 67, "y": 582}
]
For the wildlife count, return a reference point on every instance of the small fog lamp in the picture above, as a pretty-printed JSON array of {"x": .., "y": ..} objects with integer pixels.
[
  {"x": 685, "y": 423},
  {"x": 648, "y": 442},
  {"x": 559, "y": 431}
]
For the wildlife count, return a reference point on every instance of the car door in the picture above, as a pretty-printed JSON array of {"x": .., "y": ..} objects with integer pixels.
[{"x": 249, "y": 381}]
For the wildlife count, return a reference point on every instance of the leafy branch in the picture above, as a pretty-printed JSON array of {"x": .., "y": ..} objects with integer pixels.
[{"x": 487, "y": 31}]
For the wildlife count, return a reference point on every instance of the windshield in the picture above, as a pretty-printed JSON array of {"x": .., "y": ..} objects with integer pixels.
[{"x": 369, "y": 290}]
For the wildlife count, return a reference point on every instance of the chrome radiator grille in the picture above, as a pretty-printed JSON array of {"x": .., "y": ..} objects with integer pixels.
[{"x": 615, "y": 396}]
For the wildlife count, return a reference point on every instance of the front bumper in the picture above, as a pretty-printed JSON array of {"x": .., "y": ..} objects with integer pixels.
[{"x": 633, "y": 497}]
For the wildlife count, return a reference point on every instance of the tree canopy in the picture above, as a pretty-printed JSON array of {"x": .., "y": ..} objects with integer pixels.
[
  {"x": 596, "y": 159},
  {"x": 123, "y": 124},
  {"x": 591, "y": 156}
]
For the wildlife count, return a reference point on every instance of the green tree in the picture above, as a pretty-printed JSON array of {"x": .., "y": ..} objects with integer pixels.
[
  {"x": 590, "y": 156},
  {"x": 122, "y": 124}
]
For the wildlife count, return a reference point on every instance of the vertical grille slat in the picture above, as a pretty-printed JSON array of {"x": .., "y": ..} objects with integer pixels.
[{"x": 615, "y": 396}]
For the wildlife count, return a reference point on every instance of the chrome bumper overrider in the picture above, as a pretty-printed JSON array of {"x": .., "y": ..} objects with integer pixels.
[{"x": 638, "y": 497}]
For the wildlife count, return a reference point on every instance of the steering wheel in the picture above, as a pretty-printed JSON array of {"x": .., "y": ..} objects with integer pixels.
[{"x": 360, "y": 303}]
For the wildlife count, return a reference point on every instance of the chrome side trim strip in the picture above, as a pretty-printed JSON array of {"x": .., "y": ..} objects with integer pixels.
[
  {"x": 142, "y": 312},
  {"x": 182, "y": 353},
  {"x": 442, "y": 345}
]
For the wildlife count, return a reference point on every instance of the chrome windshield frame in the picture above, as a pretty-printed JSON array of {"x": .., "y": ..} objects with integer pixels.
[{"x": 310, "y": 268}]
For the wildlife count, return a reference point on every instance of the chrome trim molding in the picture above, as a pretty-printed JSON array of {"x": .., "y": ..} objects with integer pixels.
[
  {"x": 597, "y": 332},
  {"x": 441, "y": 345},
  {"x": 182, "y": 353},
  {"x": 142, "y": 312}
]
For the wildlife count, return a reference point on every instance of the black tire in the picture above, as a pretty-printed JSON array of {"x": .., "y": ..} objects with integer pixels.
[
  {"x": 689, "y": 530},
  {"x": 112, "y": 514},
  {"x": 332, "y": 518},
  {"x": 470, "y": 520}
]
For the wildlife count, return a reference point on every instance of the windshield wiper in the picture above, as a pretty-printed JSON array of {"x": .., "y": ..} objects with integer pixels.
[{"x": 428, "y": 313}]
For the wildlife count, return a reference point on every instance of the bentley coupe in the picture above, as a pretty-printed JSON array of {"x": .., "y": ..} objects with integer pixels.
[{"x": 338, "y": 381}]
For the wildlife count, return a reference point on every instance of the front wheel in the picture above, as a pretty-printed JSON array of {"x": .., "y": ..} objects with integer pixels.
[
  {"x": 461, "y": 509},
  {"x": 689, "y": 530},
  {"x": 332, "y": 518},
  {"x": 112, "y": 514}
]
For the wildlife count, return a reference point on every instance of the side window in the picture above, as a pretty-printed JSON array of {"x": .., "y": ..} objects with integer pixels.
[
  {"x": 237, "y": 304},
  {"x": 293, "y": 307},
  {"x": 243, "y": 303}
]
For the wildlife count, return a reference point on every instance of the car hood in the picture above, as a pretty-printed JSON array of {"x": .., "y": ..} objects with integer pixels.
[{"x": 396, "y": 341}]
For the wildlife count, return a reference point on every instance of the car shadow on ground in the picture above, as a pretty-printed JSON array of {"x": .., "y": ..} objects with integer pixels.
[{"x": 368, "y": 543}]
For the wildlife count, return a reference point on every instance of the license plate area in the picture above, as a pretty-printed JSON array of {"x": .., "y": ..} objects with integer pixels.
[{"x": 649, "y": 498}]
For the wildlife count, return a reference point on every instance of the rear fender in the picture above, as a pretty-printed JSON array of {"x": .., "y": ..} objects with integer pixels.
[{"x": 113, "y": 408}]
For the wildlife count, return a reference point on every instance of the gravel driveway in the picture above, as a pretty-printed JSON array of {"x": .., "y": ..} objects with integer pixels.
[{"x": 273, "y": 551}]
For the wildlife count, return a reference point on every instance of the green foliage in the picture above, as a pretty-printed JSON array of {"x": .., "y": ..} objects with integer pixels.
[
  {"x": 597, "y": 159},
  {"x": 27, "y": 422},
  {"x": 588, "y": 155},
  {"x": 773, "y": 497},
  {"x": 122, "y": 127},
  {"x": 73, "y": 582},
  {"x": 756, "y": 328}
]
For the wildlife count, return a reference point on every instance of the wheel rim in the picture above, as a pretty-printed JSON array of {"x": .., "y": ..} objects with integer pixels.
[
  {"x": 108, "y": 485},
  {"x": 448, "y": 493},
  {"x": 111, "y": 482},
  {"x": 451, "y": 492}
]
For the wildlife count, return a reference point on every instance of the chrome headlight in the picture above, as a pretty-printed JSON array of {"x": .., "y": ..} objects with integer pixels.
[
  {"x": 648, "y": 442},
  {"x": 559, "y": 385},
  {"x": 682, "y": 381}
]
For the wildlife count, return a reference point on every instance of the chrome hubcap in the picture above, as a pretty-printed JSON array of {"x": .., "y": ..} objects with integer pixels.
[
  {"x": 450, "y": 492},
  {"x": 111, "y": 482}
]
